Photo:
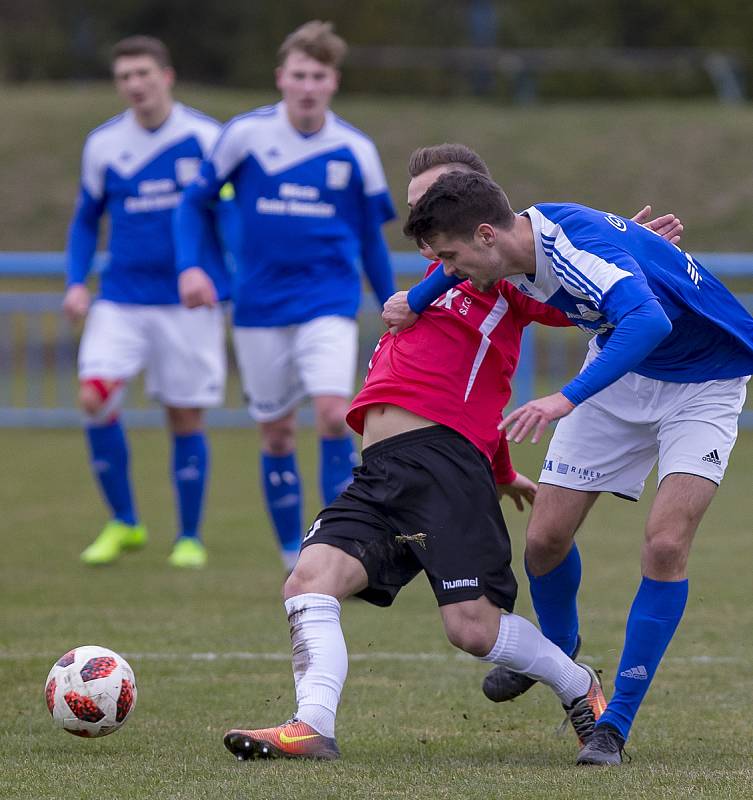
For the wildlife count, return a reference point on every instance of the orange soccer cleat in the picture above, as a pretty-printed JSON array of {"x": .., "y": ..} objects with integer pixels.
[
  {"x": 585, "y": 711},
  {"x": 293, "y": 739}
]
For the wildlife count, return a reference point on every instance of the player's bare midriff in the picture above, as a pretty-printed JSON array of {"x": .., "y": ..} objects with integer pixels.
[{"x": 384, "y": 420}]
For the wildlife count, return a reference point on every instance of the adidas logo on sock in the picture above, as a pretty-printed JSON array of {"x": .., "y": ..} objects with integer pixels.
[
  {"x": 712, "y": 457},
  {"x": 637, "y": 673}
]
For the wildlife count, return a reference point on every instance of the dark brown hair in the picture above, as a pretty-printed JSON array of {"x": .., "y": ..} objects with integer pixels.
[
  {"x": 142, "y": 46},
  {"x": 456, "y": 155},
  {"x": 455, "y": 205}
]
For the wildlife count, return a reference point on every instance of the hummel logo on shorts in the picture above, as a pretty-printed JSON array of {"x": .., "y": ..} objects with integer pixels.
[
  {"x": 638, "y": 673},
  {"x": 712, "y": 457}
]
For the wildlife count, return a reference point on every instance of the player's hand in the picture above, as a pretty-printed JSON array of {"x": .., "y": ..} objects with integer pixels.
[
  {"x": 522, "y": 488},
  {"x": 668, "y": 226},
  {"x": 196, "y": 289},
  {"x": 535, "y": 416},
  {"x": 76, "y": 302},
  {"x": 397, "y": 315}
]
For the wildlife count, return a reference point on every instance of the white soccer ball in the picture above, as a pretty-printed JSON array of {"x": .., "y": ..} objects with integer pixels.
[{"x": 90, "y": 691}]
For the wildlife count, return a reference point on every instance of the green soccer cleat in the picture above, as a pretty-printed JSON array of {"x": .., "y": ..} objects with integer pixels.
[
  {"x": 188, "y": 553},
  {"x": 116, "y": 536}
]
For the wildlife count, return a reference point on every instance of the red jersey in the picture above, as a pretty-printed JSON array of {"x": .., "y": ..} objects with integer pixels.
[{"x": 454, "y": 366}]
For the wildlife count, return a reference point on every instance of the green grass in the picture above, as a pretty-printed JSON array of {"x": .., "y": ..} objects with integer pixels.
[
  {"x": 688, "y": 157},
  {"x": 418, "y": 729}
]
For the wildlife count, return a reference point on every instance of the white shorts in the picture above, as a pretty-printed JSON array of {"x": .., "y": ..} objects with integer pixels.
[
  {"x": 181, "y": 349},
  {"x": 610, "y": 442},
  {"x": 281, "y": 366}
]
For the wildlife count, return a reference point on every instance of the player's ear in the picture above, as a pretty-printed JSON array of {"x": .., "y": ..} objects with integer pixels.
[{"x": 486, "y": 234}]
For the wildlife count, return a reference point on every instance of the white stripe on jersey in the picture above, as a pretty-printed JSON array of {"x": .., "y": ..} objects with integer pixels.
[
  {"x": 591, "y": 273},
  {"x": 125, "y": 147},
  {"x": 267, "y": 135},
  {"x": 492, "y": 319}
]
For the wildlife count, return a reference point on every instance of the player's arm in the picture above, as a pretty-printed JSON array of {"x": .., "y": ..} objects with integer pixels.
[
  {"x": 194, "y": 219},
  {"x": 376, "y": 209},
  {"x": 528, "y": 310},
  {"x": 640, "y": 325},
  {"x": 510, "y": 483},
  {"x": 193, "y": 224},
  {"x": 403, "y": 308},
  {"x": 82, "y": 237},
  {"x": 375, "y": 256}
]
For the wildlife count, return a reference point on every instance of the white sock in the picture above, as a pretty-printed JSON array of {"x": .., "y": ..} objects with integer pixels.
[
  {"x": 320, "y": 658},
  {"x": 522, "y": 647}
]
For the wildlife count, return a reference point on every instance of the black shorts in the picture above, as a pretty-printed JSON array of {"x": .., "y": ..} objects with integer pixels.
[{"x": 423, "y": 500}]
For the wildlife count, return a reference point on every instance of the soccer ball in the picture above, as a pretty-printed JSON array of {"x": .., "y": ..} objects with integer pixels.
[{"x": 90, "y": 691}]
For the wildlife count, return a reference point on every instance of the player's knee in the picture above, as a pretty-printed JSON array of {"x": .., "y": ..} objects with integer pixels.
[
  {"x": 330, "y": 418},
  {"x": 469, "y": 635},
  {"x": 100, "y": 400},
  {"x": 300, "y": 581},
  {"x": 665, "y": 555},
  {"x": 185, "y": 421},
  {"x": 545, "y": 549},
  {"x": 278, "y": 438}
]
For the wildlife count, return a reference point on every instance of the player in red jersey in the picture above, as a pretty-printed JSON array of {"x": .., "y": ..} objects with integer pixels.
[{"x": 423, "y": 500}]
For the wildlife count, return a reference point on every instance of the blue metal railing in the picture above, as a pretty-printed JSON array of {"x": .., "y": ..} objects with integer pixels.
[{"x": 38, "y": 347}]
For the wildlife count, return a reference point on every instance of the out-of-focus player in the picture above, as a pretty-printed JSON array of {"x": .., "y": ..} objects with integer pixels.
[
  {"x": 311, "y": 199},
  {"x": 664, "y": 380},
  {"x": 135, "y": 168}
]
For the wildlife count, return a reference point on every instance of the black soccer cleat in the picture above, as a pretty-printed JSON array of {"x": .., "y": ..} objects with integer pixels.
[
  {"x": 604, "y": 748},
  {"x": 502, "y": 684}
]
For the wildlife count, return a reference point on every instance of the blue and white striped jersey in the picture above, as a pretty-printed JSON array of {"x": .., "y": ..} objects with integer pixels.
[
  {"x": 308, "y": 207},
  {"x": 138, "y": 176},
  {"x": 598, "y": 267}
]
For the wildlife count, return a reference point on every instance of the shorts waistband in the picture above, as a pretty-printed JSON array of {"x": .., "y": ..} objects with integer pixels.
[{"x": 410, "y": 438}]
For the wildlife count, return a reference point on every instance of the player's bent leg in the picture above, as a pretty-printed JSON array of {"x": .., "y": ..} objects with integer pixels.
[
  {"x": 190, "y": 470},
  {"x": 554, "y": 572},
  {"x": 283, "y": 492},
  {"x": 479, "y": 628},
  {"x": 323, "y": 576},
  {"x": 675, "y": 515},
  {"x": 661, "y": 597},
  {"x": 337, "y": 455},
  {"x": 100, "y": 401}
]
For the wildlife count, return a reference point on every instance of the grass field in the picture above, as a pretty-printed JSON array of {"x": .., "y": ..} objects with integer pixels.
[
  {"x": 691, "y": 158},
  {"x": 210, "y": 652}
]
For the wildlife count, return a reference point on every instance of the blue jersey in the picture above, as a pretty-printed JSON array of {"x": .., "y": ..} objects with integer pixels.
[
  {"x": 600, "y": 268},
  {"x": 137, "y": 176},
  {"x": 308, "y": 209}
]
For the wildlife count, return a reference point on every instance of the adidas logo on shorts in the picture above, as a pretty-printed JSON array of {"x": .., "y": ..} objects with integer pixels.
[{"x": 712, "y": 457}]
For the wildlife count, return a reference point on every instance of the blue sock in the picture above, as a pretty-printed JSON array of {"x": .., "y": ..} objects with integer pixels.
[
  {"x": 108, "y": 451},
  {"x": 337, "y": 458},
  {"x": 283, "y": 494},
  {"x": 653, "y": 619},
  {"x": 554, "y": 597},
  {"x": 190, "y": 468}
]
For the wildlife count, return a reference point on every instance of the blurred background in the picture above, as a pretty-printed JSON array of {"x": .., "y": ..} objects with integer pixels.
[{"x": 611, "y": 103}]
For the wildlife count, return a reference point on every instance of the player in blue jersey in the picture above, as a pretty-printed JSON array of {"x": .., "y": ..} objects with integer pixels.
[
  {"x": 664, "y": 381},
  {"x": 311, "y": 199},
  {"x": 134, "y": 168}
]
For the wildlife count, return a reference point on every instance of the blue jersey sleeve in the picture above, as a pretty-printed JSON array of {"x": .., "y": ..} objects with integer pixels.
[
  {"x": 374, "y": 254},
  {"x": 423, "y": 294},
  {"x": 82, "y": 236},
  {"x": 638, "y": 333},
  {"x": 193, "y": 222}
]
